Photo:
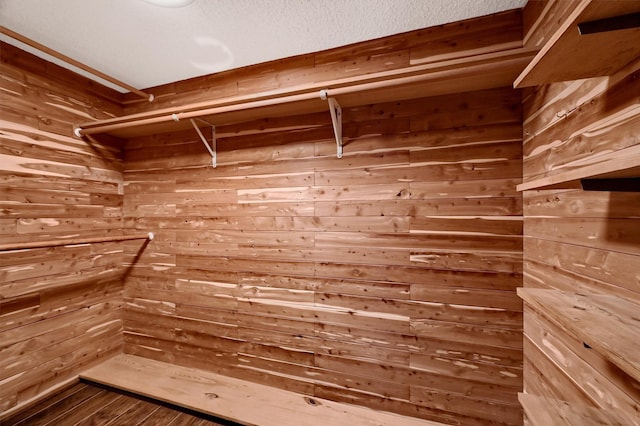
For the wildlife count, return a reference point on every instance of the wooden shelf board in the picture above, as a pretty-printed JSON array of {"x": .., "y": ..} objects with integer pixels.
[
  {"x": 485, "y": 71},
  {"x": 608, "y": 324},
  {"x": 233, "y": 399},
  {"x": 548, "y": 412},
  {"x": 623, "y": 163},
  {"x": 567, "y": 55}
]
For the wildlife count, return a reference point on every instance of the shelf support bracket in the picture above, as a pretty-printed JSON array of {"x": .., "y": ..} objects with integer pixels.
[
  {"x": 336, "y": 119},
  {"x": 211, "y": 148}
]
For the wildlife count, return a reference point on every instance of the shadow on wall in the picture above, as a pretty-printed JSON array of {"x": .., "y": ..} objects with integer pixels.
[
  {"x": 623, "y": 220},
  {"x": 129, "y": 269}
]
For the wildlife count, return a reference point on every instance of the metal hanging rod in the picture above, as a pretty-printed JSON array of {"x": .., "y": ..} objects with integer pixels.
[
  {"x": 44, "y": 49},
  {"x": 53, "y": 243},
  {"x": 161, "y": 116}
]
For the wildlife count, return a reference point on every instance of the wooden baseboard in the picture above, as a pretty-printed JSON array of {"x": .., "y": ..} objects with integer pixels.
[{"x": 233, "y": 399}]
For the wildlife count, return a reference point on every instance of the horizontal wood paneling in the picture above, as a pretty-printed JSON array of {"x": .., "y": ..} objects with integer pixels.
[
  {"x": 602, "y": 120},
  {"x": 388, "y": 273},
  {"x": 574, "y": 240},
  {"x": 60, "y": 307},
  {"x": 589, "y": 234},
  {"x": 386, "y": 278}
]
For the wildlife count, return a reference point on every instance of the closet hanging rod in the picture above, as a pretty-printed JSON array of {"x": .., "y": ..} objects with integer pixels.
[
  {"x": 467, "y": 67},
  {"x": 79, "y": 131},
  {"x": 44, "y": 49},
  {"x": 53, "y": 243}
]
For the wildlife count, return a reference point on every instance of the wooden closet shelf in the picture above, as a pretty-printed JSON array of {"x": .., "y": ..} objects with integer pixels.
[
  {"x": 569, "y": 55},
  {"x": 542, "y": 411},
  {"x": 233, "y": 399},
  {"x": 624, "y": 163},
  {"x": 607, "y": 324},
  {"x": 477, "y": 72}
]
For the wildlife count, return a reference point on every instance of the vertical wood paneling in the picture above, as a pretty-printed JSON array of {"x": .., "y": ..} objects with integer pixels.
[
  {"x": 372, "y": 275},
  {"x": 60, "y": 307}
]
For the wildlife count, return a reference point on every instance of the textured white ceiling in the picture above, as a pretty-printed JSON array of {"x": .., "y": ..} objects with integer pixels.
[{"x": 145, "y": 45}]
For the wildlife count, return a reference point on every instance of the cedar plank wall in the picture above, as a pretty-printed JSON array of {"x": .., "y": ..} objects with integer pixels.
[
  {"x": 574, "y": 240},
  {"x": 386, "y": 278},
  {"x": 60, "y": 306}
]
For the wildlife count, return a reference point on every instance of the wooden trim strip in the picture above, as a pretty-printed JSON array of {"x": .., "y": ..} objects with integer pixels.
[
  {"x": 72, "y": 241},
  {"x": 541, "y": 17},
  {"x": 44, "y": 49}
]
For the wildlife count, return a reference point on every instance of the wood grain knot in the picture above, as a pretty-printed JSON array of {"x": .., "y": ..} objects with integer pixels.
[
  {"x": 211, "y": 395},
  {"x": 311, "y": 401}
]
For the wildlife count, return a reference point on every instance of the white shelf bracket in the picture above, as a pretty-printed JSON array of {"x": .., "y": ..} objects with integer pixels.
[
  {"x": 336, "y": 120},
  {"x": 211, "y": 148}
]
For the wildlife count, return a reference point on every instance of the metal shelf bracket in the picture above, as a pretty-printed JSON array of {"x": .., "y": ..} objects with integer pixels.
[
  {"x": 336, "y": 119},
  {"x": 211, "y": 148}
]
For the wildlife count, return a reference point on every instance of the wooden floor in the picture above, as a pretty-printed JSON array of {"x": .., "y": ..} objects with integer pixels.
[{"x": 88, "y": 404}]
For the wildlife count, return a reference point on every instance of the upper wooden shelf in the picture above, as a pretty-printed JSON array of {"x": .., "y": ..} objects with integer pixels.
[
  {"x": 624, "y": 163},
  {"x": 569, "y": 55},
  {"x": 607, "y": 324},
  {"x": 476, "y": 72}
]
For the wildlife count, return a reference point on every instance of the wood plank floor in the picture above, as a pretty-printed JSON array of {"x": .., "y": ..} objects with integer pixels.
[{"x": 87, "y": 404}]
